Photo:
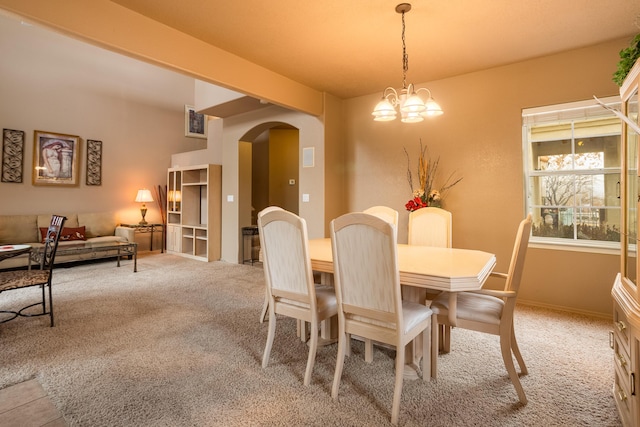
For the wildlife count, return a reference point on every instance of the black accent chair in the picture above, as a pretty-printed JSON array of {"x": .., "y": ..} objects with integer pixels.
[{"x": 18, "y": 279}]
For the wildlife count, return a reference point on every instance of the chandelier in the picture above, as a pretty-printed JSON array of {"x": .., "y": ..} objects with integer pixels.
[{"x": 411, "y": 106}]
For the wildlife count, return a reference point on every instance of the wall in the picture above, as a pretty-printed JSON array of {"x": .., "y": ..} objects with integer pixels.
[
  {"x": 283, "y": 166},
  {"x": 53, "y": 83},
  {"x": 310, "y": 181},
  {"x": 480, "y": 138}
]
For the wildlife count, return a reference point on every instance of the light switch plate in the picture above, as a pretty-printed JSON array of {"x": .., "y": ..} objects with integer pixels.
[
  {"x": 230, "y": 198},
  {"x": 305, "y": 197}
]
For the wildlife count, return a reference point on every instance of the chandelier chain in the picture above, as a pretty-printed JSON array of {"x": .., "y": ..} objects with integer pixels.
[{"x": 405, "y": 57}]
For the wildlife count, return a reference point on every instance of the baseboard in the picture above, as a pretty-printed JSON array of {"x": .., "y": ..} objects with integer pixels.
[{"x": 607, "y": 316}]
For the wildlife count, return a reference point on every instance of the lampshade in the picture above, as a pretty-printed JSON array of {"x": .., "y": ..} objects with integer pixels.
[
  {"x": 143, "y": 196},
  {"x": 174, "y": 195}
]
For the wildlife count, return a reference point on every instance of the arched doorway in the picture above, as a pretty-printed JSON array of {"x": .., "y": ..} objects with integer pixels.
[{"x": 268, "y": 174}]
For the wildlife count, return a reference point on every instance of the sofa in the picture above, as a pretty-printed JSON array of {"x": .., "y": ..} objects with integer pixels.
[{"x": 85, "y": 229}]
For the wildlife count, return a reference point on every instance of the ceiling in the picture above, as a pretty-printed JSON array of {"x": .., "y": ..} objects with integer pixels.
[{"x": 353, "y": 47}]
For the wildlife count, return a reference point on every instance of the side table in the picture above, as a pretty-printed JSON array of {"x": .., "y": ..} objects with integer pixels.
[
  {"x": 148, "y": 228},
  {"x": 249, "y": 234}
]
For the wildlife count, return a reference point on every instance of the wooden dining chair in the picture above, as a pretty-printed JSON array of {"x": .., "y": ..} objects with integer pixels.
[
  {"x": 20, "y": 279},
  {"x": 384, "y": 212},
  {"x": 430, "y": 227},
  {"x": 391, "y": 216},
  {"x": 289, "y": 279},
  {"x": 370, "y": 306},
  {"x": 491, "y": 311},
  {"x": 265, "y": 305}
]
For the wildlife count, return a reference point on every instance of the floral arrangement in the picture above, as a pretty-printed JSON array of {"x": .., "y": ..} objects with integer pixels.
[{"x": 427, "y": 194}]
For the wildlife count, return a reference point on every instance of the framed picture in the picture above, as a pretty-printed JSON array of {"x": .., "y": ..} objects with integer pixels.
[
  {"x": 94, "y": 162},
  {"x": 12, "y": 155},
  {"x": 56, "y": 159},
  {"x": 195, "y": 124}
]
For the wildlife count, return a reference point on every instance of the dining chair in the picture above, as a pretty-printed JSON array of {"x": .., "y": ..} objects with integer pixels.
[
  {"x": 367, "y": 282},
  {"x": 391, "y": 216},
  {"x": 20, "y": 279},
  {"x": 491, "y": 311},
  {"x": 430, "y": 227},
  {"x": 265, "y": 305},
  {"x": 384, "y": 212},
  {"x": 289, "y": 279}
]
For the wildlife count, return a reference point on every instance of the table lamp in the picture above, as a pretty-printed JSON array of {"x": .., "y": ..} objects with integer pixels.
[{"x": 144, "y": 196}]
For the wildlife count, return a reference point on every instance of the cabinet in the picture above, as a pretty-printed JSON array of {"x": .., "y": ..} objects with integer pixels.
[
  {"x": 625, "y": 339},
  {"x": 194, "y": 211}
]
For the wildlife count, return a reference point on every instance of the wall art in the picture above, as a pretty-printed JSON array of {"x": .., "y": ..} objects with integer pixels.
[
  {"x": 195, "y": 124},
  {"x": 12, "y": 155},
  {"x": 56, "y": 158},
  {"x": 94, "y": 162}
]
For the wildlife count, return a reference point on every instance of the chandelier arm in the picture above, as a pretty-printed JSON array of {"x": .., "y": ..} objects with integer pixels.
[
  {"x": 391, "y": 95},
  {"x": 425, "y": 89}
]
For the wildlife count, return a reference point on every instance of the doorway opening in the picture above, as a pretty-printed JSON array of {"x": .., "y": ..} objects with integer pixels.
[{"x": 268, "y": 173}]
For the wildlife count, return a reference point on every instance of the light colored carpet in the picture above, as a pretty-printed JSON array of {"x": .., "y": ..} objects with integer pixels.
[{"x": 179, "y": 344}]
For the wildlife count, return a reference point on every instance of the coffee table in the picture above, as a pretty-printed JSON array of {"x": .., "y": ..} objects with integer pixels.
[
  {"x": 9, "y": 251},
  {"x": 99, "y": 250}
]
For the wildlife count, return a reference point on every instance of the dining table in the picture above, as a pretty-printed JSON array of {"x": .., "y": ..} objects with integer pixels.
[
  {"x": 450, "y": 270},
  {"x": 9, "y": 251}
]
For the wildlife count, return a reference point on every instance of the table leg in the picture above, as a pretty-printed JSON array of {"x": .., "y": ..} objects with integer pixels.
[
  {"x": 453, "y": 302},
  {"x": 135, "y": 257}
]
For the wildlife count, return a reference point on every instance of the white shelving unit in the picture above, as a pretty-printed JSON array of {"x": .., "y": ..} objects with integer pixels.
[{"x": 194, "y": 211}]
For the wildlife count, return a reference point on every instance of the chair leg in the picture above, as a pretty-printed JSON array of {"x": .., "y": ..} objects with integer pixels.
[
  {"x": 368, "y": 350},
  {"x": 270, "y": 334},
  {"x": 265, "y": 306},
  {"x": 50, "y": 304},
  {"x": 427, "y": 364},
  {"x": 446, "y": 338},
  {"x": 505, "y": 347},
  {"x": 313, "y": 347},
  {"x": 434, "y": 346},
  {"x": 397, "y": 390},
  {"x": 342, "y": 343},
  {"x": 516, "y": 353}
]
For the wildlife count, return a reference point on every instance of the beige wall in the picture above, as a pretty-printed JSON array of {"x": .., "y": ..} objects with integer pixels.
[
  {"x": 283, "y": 166},
  {"x": 53, "y": 83},
  {"x": 480, "y": 137}
]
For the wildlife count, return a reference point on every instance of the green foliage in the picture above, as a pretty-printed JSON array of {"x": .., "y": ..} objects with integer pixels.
[{"x": 628, "y": 57}]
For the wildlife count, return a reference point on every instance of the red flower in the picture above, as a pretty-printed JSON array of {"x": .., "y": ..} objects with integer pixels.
[{"x": 415, "y": 204}]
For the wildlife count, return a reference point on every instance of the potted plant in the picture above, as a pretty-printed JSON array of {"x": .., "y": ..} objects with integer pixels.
[{"x": 628, "y": 57}]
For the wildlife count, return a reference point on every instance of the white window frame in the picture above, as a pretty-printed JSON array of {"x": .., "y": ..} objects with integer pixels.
[{"x": 564, "y": 112}]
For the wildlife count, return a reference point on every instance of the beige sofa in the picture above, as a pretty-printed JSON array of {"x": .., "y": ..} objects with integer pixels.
[{"x": 99, "y": 228}]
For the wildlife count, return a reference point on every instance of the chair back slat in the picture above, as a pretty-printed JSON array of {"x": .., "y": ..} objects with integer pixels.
[{"x": 51, "y": 241}]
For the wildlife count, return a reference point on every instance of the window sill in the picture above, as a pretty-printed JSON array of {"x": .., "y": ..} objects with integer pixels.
[{"x": 611, "y": 249}]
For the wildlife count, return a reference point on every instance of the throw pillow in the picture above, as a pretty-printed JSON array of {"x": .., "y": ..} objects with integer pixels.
[{"x": 67, "y": 234}]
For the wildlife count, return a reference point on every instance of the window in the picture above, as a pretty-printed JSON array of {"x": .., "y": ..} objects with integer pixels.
[{"x": 572, "y": 173}]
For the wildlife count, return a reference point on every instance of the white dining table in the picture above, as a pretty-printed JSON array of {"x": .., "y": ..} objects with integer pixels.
[
  {"x": 440, "y": 269},
  {"x": 425, "y": 267}
]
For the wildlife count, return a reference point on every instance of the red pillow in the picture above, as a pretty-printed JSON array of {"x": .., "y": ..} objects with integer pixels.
[{"x": 67, "y": 234}]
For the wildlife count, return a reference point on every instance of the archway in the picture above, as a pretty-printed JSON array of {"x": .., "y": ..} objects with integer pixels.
[{"x": 268, "y": 174}]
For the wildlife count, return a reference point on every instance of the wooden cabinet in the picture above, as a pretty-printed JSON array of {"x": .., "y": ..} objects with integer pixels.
[
  {"x": 626, "y": 299},
  {"x": 194, "y": 211}
]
